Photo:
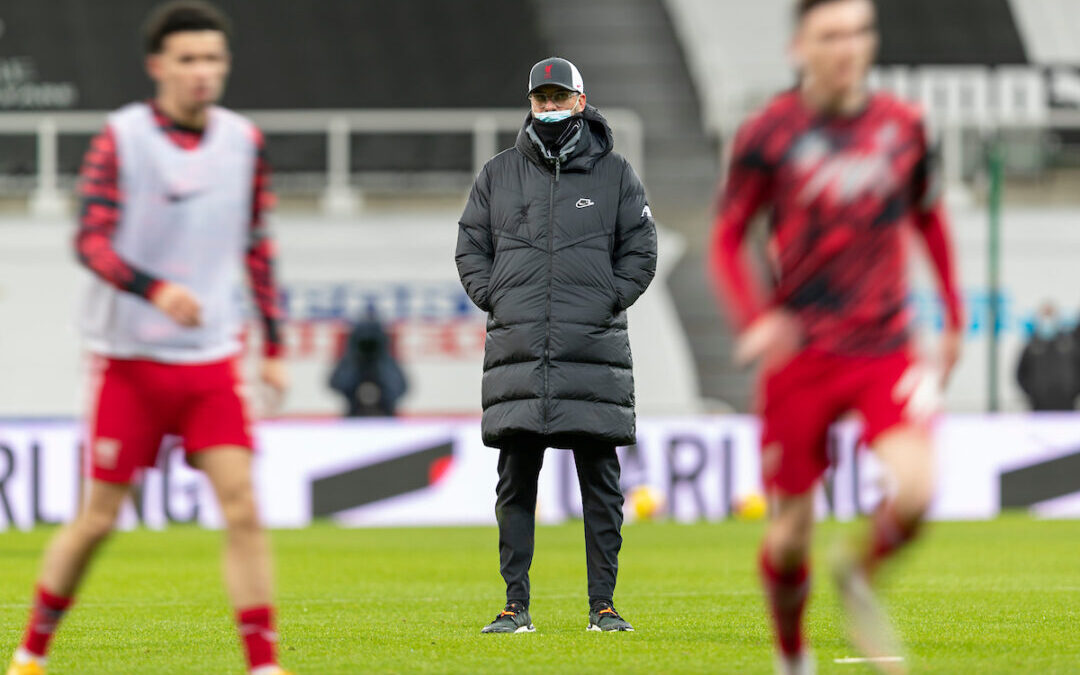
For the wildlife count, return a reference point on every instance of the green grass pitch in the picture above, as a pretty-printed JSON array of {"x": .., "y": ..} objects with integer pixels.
[{"x": 987, "y": 597}]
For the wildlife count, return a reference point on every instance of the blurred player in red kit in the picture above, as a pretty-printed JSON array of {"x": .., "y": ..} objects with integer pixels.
[
  {"x": 842, "y": 172},
  {"x": 173, "y": 194}
]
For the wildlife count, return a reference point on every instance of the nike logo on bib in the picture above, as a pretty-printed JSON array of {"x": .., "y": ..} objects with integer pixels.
[
  {"x": 583, "y": 202},
  {"x": 175, "y": 197}
]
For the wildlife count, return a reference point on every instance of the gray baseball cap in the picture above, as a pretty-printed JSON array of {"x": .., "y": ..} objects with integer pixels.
[{"x": 558, "y": 72}]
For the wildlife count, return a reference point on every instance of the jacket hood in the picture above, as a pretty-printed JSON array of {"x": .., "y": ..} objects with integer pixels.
[{"x": 596, "y": 141}]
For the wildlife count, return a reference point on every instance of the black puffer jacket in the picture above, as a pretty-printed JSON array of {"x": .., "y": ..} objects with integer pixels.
[{"x": 555, "y": 250}]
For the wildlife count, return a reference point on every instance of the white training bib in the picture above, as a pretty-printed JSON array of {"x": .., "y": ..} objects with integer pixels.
[{"x": 185, "y": 217}]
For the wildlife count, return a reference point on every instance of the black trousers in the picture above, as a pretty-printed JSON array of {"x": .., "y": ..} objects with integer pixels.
[{"x": 515, "y": 510}]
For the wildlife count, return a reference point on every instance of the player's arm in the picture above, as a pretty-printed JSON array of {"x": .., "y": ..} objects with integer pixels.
[
  {"x": 634, "y": 252},
  {"x": 475, "y": 254},
  {"x": 99, "y": 214},
  {"x": 932, "y": 224},
  {"x": 260, "y": 260},
  {"x": 746, "y": 188},
  {"x": 765, "y": 333}
]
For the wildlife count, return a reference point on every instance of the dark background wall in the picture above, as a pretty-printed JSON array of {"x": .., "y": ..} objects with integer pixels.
[
  {"x": 296, "y": 53},
  {"x": 954, "y": 32},
  {"x": 88, "y": 55}
]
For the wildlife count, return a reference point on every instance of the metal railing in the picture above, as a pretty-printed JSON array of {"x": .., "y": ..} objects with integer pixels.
[
  {"x": 979, "y": 98},
  {"x": 339, "y": 196}
]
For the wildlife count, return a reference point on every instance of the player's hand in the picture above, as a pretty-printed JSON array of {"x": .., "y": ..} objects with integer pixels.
[
  {"x": 771, "y": 340},
  {"x": 952, "y": 342},
  {"x": 275, "y": 379},
  {"x": 178, "y": 303}
]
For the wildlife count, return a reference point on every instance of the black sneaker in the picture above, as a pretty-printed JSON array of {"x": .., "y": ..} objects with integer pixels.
[
  {"x": 513, "y": 619},
  {"x": 604, "y": 618}
]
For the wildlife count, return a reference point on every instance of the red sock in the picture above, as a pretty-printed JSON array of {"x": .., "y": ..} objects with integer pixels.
[
  {"x": 45, "y": 616},
  {"x": 256, "y": 625},
  {"x": 888, "y": 535},
  {"x": 786, "y": 593}
]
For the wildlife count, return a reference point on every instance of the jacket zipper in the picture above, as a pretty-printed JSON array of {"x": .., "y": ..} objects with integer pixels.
[{"x": 547, "y": 315}]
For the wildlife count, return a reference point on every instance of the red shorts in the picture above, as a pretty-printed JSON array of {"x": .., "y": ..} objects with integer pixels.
[
  {"x": 804, "y": 397},
  {"x": 138, "y": 402}
]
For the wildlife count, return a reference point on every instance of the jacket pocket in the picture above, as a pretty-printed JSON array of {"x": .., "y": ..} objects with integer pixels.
[{"x": 608, "y": 272}]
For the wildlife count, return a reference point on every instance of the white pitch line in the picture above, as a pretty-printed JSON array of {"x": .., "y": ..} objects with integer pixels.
[
  {"x": 874, "y": 659},
  {"x": 300, "y": 601}
]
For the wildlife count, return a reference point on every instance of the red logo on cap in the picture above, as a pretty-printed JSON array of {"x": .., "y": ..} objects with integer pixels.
[{"x": 547, "y": 72}]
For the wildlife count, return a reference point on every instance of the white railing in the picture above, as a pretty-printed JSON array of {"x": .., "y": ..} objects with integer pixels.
[
  {"x": 975, "y": 96},
  {"x": 339, "y": 196},
  {"x": 979, "y": 98}
]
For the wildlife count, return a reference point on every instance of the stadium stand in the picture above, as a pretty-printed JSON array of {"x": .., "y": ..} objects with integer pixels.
[
  {"x": 1048, "y": 30},
  {"x": 924, "y": 32},
  {"x": 737, "y": 54},
  {"x": 425, "y": 54},
  {"x": 629, "y": 53}
]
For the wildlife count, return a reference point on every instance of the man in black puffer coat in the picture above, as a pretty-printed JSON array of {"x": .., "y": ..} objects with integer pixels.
[{"x": 556, "y": 242}]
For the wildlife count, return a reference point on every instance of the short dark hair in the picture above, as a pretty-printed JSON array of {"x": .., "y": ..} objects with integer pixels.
[
  {"x": 180, "y": 16},
  {"x": 803, "y": 7}
]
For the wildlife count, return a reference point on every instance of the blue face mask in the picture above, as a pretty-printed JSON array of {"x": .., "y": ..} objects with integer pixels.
[
  {"x": 553, "y": 115},
  {"x": 1045, "y": 328}
]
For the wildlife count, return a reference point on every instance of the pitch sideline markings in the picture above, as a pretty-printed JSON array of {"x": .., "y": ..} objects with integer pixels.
[
  {"x": 873, "y": 659},
  {"x": 340, "y": 601},
  {"x": 558, "y": 596}
]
